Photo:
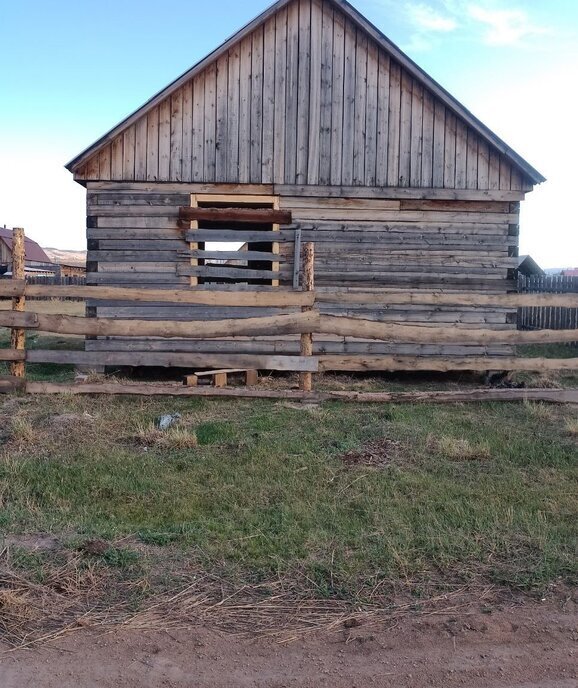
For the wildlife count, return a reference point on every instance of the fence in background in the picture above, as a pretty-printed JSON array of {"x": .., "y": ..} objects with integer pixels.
[{"x": 548, "y": 317}]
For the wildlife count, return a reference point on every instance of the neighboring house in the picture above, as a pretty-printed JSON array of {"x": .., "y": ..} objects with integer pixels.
[
  {"x": 571, "y": 272},
  {"x": 528, "y": 267},
  {"x": 309, "y": 110},
  {"x": 36, "y": 259}
]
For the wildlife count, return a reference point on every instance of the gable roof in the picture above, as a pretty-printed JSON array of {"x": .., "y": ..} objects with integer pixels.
[
  {"x": 34, "y": 252},
  {"x": 376, "y": 35}
]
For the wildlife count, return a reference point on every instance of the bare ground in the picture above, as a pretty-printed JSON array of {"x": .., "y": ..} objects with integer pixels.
[{"x": 534, "y": 645}]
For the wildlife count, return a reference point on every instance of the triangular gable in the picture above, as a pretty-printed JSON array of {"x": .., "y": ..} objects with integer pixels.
[{"x": 234, "y": 96}]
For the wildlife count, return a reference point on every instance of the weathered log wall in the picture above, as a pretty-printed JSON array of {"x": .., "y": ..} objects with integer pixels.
[{"x": 366, "y": 243}]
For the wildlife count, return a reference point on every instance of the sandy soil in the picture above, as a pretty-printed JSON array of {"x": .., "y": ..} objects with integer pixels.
[{"x": 535, "y": 645}]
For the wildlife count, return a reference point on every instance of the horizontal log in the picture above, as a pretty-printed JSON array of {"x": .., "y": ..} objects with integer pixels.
[
  {"x": 254, "y": 215},
  {"x": 239, "y": 235},
  {"x": 447, "y": 299},
  {"x": 226, "y": 272},
  {"x": 11, "y": 383},
  {"x": 12, "y": 355},
  {"x": 271, "y": 299},
  {"x": 174, "y": 360},
  {"x": 397, "y": 192},
  {"x": 295, "y": 323},
  {"x": 12, "y": 288},
  {"x": 22, "y": 320},
  {"x": 419, "y": 334},
  {"x": 442, "y": 363},
  {"x": 559, "y": 396},
  {"x": 234, "y": 255}
]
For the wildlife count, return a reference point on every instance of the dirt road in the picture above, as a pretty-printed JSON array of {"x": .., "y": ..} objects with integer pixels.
[{"x": 535, "y": 645}]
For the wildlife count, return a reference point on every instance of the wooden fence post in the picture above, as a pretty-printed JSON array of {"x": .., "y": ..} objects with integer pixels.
[
  {"x": 306, "y": 379},
  {"x": 18, "y": 335}
]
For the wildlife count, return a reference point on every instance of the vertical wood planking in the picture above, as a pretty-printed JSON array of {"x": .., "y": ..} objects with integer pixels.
[
  {"x": 315, "y": 92},
  {"x": 210, "y": 121},
  {"x": 245, "y": 111},
  {"x": 439, "y": 145},
  {"x": 494, "y": 170},
  {"x": 140, "y": 159},
  {"x": 292, "y": 92},
  {"x": 326, "y": 94},
  {"x": 176, "y": 162},
  {"x": 222, "y": 119},
  {"x": 18, "y": 335},
  {"x": 128, "y": 171},
  {"x": 303, "y": 95},
  {"x": 472, "y": 163},
  {"x": 505, "y": 174},
  {"x": 371, "y": 114},
  {"x": 450, "y": 151},
  {"x": 255, "y": 173},
  {"x": 268, "y": 102},
  {"x": 104, "y": 163},
  {"x": 483, "y": 165},
  {"x": 280, "y": 96},
  {"x": 348, "y": 105},
  {"x": 428, "y": 140},
  {"x": 394, "y": 124},
  {"x": 337, "y": 97},
  {"x": 405, "y": 134},
  {"x": 187, "y": 115},
  {"x": 153, "y": 145},
  {"x": 416, "y": 135},
  {"x": 164, "y": 140},
  {"x": 117, "y": 155},
  {"x": 233, "y": 95},
  {"x": 461, "y": 155},
  {"x": 360, "y": 107},
  {"x": 199, "y": 127},
  {"x": 382, "y": 119},
  {"x": 193, "y": 246}
]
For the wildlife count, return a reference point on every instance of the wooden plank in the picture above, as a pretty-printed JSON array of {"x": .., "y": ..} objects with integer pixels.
[
  {"x": 396, "y": 192},
  {"x": 292, "y": 93},
  {"x": 187, "y": 133},
  {"x": 306, "y": 348},
  {"x": 472, "y": 161},
  {"x": 280, "y": 95},
  {"x": 12, "y": 355},
  {"x": 140, "y": 159},
  {"x": 256, "y": 127},
  {"x": 239, "y": 273},
  {"x": 303, "y": 92},
  {"x": 253, "y": 215},
  {"x": 198, "y": 160},
  {"x": 348, "y": 135},
  {"x": 405, "y": 134},
  {"x": 382, "y": 120},
  {"x": 128, "y": 164},
  {"x": 316, "y": 92},
  {"x": 104, "y": 163},
  {"x": 152, "y": 159},
  {"x": 443, "y": 363},
  {"x": 337, "y": 93},
  {"x": 439, "y": 144},
  {"x": 559, "y": 396},
  {"x": 360, "y": 106},
  {"x": 239, "y": 235},
  {"x": 231, "y": 172},
  {"x": 450, "y": 152},
  {"x": 164, "y": 140},
  {"x": 173, "y": 360},
  {"x": 176, "y": 137},
  {"x": 326, "y": 97},
  {"x": 117, "y": 157},
  {"x": 242, "y": 255},
  {"x": 297, "y": 259},
  {"x": 269, "y": 86},
  {"x": 222, "y": 120},
  {"x": 394, "y": 124},
  {"x": 210, "y": 155},
  {"x": 371, "y": 114},
  {"x": 416, "y": 144}
]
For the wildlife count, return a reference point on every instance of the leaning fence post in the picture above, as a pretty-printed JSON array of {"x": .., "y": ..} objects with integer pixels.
[
  {"x": 306, "y": 379},
  {"x": 18, "y": 335}
]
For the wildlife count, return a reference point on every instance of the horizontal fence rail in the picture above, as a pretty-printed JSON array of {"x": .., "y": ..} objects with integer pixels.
[{"x": 548, "y": 315}]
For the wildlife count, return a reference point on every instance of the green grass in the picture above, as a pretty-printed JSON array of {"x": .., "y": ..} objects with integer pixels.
[{"x": 482, "y": 489}]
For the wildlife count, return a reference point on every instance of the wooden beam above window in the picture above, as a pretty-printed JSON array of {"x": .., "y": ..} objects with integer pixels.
[{"x": 254, "y": 215}]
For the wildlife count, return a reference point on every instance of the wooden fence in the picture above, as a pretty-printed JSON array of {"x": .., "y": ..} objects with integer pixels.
[
  {"x": 307, "y": 323},
  {"x": 548, "y": 317}
]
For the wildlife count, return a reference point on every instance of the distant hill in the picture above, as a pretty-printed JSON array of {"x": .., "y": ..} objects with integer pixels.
[{"x": 58, "y": 255}]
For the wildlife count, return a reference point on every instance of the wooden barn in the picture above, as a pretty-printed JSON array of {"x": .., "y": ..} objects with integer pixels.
[{"x": 308, "y": 125}]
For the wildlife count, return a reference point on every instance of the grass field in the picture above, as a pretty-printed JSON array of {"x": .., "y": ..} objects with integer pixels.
[{"x": 339, "y": 502}]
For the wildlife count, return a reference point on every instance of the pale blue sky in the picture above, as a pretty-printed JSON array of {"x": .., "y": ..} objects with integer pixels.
[{"x": 69, "y": 71}]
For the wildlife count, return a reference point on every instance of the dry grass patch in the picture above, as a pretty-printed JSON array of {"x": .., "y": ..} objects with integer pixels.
[
  {"x": 175, "y": 437},
  {"x": 458, "y": 448},
  {"x": 376, "y": 454}
]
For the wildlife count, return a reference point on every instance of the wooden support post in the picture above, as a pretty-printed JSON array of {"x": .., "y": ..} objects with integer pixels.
[
  {"x": 220, "y": 379},
  {"x": 306, "y": 379},
  {"x": 18, "y": 335},
  {"x": 252, "y": 378}
]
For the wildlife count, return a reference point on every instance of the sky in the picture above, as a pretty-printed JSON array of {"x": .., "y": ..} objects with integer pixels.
[{"x": 70, "y": 71}]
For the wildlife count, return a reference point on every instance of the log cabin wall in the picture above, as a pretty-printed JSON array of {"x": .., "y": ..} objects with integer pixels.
[{"x": 361, "y": 243}]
